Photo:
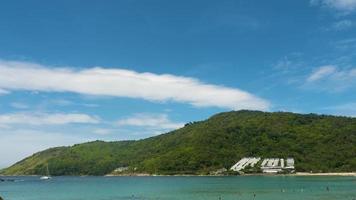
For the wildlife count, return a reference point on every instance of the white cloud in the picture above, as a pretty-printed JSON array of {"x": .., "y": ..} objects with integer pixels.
[
  {"x": 23, "y": 134},
  {"x": 340, "y": 5},
  {"x": 321, "y": 73},
  {"x": 125, "y": 83},
  {"x": 45, "y": 119},
  {"x": 161, "y": 122},
  {"x": 20, "y": 143}
]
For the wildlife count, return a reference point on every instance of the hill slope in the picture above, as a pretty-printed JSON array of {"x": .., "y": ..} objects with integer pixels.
[{"x": 318, "y": 143}]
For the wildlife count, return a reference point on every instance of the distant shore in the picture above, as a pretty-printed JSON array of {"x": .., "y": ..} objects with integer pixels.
[
  {"x": 325, "y": 174},
  {"x": 261, "y": 174},
  {"x": 194, "y": 175}
]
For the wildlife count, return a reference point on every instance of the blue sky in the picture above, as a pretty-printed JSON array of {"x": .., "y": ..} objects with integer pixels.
[{"x": 75, "y": 71}]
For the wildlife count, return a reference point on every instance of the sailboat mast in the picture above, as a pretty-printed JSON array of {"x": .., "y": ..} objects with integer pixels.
[{"x": 47, "y": 170}]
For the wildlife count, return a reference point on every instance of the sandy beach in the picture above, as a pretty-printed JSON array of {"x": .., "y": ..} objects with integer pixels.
[
  {"x": 325, "y": 174},
  {"x": 260, "y": 174}
]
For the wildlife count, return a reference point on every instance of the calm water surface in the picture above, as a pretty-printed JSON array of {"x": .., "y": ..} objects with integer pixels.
[{"x": 180, "y": 188}]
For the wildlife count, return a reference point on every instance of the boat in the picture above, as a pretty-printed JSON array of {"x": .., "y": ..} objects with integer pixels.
[{"x": 47, "y": 176}]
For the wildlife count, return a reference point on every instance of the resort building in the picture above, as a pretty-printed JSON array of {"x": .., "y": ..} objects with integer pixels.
[
  {"x": 290, "y": 163},
  {"x": 244, "y": 162},
  {"x": 268, "y": 165},
  {"x": 121, "y": 169}
]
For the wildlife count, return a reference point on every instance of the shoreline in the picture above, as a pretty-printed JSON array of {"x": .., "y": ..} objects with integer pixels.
[
  {"x": 326, "y": 174},
  {"x": 350, "y": 174},
  {"x": 342, "y": 174}
]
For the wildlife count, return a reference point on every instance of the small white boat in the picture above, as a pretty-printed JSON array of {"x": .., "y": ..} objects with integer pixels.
[{"x": 47, "y": 176}]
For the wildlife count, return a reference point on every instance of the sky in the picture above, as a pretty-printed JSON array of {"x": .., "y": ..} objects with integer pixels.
[{"x": 73, "y": 71}]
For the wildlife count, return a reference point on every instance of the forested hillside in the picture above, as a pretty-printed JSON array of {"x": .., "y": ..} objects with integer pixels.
[{"x": 318, "y": 143}]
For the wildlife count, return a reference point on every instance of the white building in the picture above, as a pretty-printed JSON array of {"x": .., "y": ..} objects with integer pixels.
[
  {"x": 244, "y": 162},
  {"x": 282, "y": 162},
  {"x": 290, "y": 163},
  {"x": 268, "y": 165}
]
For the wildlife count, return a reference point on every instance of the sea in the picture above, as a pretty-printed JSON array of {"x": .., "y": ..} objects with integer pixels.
[{"x": 180, "y": 188}]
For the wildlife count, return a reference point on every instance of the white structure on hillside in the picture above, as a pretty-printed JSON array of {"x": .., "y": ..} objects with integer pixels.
[
  {"x": 282, "y": 162},
  {"x": 121, "y": 169},
  {"x": 244, "y": 162},
  {"x": 290, "y": 163},
  {"x": 268, "y": 165}
]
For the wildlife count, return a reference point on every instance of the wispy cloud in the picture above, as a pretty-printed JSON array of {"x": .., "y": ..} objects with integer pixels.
[
  {"x": 342, "y": 25},
  {"x": 290, "y": 64},
  {"x": 103, "y": 131},
  {"x": 332, "y": 78},
  {"x": 46, "y": 119},
  {"x": 153, "y": 121},
  {"x": 2, "y": 91},
  {"x": 345, "y": 44},
  {"x": 64, "y": 102},
  {"x": 125, "y": 83},
  {"x": 345, "y": 6},
  {"x": 61, "y": 102},
  {"x": 347, "y": 109},
  {"x": 19, "y": 105},
  {"x": 321, "y": 73}
]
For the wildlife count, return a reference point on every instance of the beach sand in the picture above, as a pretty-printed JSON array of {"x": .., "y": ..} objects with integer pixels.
[{"x": 325, "y": 174}]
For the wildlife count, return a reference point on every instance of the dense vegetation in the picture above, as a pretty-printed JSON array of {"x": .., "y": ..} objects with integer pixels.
[{"x": 318, "y": 143}]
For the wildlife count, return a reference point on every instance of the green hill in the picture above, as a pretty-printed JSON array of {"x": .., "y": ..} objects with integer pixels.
[{"x": 318, "y": 143}]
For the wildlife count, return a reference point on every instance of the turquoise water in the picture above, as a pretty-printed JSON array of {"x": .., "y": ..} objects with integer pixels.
[{"x": 180, "y": 188}]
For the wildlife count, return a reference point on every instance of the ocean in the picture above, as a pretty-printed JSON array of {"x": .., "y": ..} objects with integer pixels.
[{"x": 180, "y": 188}]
